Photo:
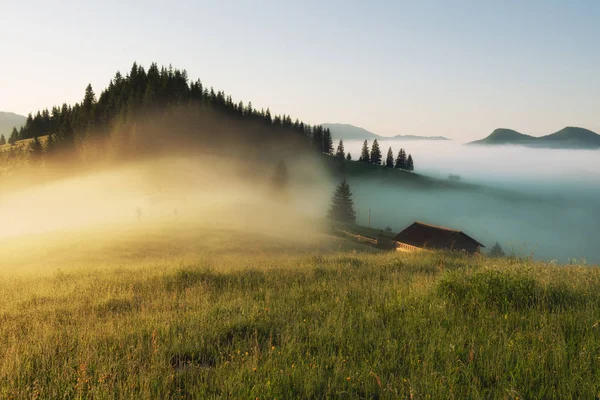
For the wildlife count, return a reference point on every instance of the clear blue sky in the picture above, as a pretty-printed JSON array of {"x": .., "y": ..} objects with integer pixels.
[{"x": 453, "y": 68}]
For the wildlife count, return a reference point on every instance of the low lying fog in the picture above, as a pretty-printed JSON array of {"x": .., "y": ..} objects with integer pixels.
[
  {"x": 211, "y": 191},
  {"x": 536, "y": 201},
  {"x": 549, "y": 203}
]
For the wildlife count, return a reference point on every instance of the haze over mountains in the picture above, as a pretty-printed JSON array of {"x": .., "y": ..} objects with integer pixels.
[
  {"x": 9, "y": 120},
  {"x": 567, "y": 138},
  {"x": 351, "y": 132}
]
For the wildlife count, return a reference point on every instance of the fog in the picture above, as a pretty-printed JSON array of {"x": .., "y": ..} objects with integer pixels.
[
  {"x": 542, "y": 202},
  {"x": 532, "y": 201},
  {"x": 208, "y": 190}
]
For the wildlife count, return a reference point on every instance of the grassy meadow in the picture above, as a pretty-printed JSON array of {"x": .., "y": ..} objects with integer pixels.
[{"x": 180, "y": 311}]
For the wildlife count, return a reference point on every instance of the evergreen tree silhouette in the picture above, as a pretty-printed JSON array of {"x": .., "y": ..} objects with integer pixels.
[
  {"x": 14, "y": 136},
  {"x": 389, "y": 161},
  {"x": 349, "y": 157},
  {"x": 35, "y": 147},
  {"x": 327, "y": 142},
  {"x": 401, "y": 160},
  {"x": 2, "y": 140},
  {"x": 317, "y": 138},
  {"x": 342, "y": 205},
  {"x": 496, "y": 251},
  {"x": 50, "y": 141},
  {"x": 409, "y": 164},
  {"x": 340, "y": 153},
  {"x": 280, "y": 180},
  {"x": 364, "y": 154},
  {"x": 375, "y": 153}
]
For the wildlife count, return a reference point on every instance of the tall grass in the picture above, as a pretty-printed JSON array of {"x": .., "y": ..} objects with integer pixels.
[{"x": 287, "y": 322}]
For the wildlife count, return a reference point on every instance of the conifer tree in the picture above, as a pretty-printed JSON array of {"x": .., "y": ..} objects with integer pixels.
[
  {"x": 2, "y": 140},
  {"x": 389, "y": 161},
  {"x": 349, "y": 157},
  {"x": 14, "y": 136},
  {"x": 317, "y": 138},
  {"x": 50, "y": 143},
  {"x": 327, "y": 142},
  {"x": 496, "y": 251},
  {"x": 342, "y": 205},
  {"x": 375, "y": 153},
  {"x": 364, "y": 154},
  {"x": 409, "y": 164},
  {"x": 35, "y": 147},
  {"x": 340, "y": 153},
  {"x": 401, "y": 160},
  {"x": 280, "y": 179}
]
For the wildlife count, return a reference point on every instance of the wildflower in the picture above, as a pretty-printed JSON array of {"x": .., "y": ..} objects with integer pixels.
[{"x": 348, "y": 378}]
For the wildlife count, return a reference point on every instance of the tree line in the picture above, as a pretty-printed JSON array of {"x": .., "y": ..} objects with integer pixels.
[
  {"x": 374, "y": 156},
  {"x": 119, "y": 119}
]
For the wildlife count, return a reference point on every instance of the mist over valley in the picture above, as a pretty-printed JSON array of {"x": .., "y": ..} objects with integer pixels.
[{"x": 532, "y": 201}]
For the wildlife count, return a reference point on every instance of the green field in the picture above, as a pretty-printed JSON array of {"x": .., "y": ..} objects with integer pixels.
[{"x": 165, "y": 311}]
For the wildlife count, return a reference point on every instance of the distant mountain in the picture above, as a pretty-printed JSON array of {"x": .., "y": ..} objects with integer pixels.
[
  {"x": 567, "y": 138},
  {"x": 413, "y": 137},
  {"x": 351, "y": 132},
  {"x": 8, "y": 121}
]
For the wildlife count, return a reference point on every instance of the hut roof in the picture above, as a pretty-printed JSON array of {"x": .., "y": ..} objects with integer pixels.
[{"x": 419, "y": 233}]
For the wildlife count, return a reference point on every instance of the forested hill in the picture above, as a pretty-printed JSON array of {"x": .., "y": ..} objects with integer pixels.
[
  {"x": 567, "y": 138},
  {"x": 152, "y": 111}
]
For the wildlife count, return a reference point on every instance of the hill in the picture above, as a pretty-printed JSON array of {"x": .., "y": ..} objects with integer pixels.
[
  {"x": 567, "y": 138},
  {"x": 8, "y": 121},
  {"x": 351, "y": 132}
]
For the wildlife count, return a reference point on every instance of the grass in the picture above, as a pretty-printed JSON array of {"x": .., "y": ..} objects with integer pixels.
[{"x": 181, "y": 312}]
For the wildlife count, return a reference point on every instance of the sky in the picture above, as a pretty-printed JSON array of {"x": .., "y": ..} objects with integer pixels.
[{"x": 454, "y": 68}]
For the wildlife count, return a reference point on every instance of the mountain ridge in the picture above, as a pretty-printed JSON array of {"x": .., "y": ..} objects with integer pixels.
[
  {"x": 9, "y": 120},
  {"x": 351, "y": 132},
  {"x": 570, "y": 137}
]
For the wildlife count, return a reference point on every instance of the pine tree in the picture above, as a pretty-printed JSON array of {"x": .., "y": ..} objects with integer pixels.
[
  {"x": 280, "y": 179},
  {"x": 317, "y": 138},
  {"x": 389, "y": 161},
  {"x": 340, "y": 153},
  {"x": 2, "y": 140},
  {"x": 35, "y": 147},
  {"x": 50, "y": 141},
  {"x": 401, "y": 160},
  {"x": 14, "y": 136},
  {"x": 327, "y": 142},
  {"x": 375, "y": 153},
  {"x": 496, "y": 251},
  {"x": 342, "y": 206},
  {"x": 409, "y": 164},
  {"x": 364, "y": 154},
  {"x": 349, "y": 157}
]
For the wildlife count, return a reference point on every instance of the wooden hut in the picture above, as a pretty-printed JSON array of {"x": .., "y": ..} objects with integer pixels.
[{"x": 425, "y": 236}]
